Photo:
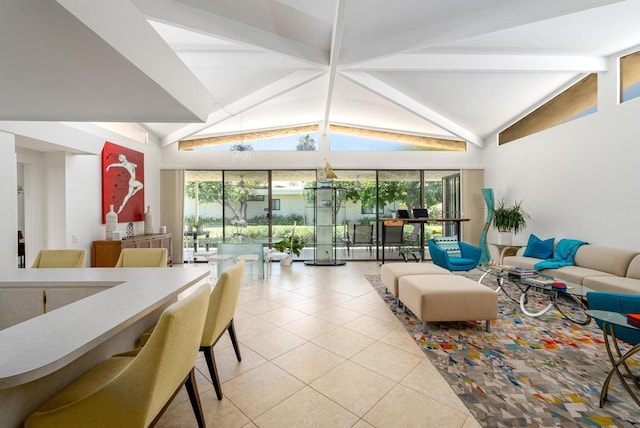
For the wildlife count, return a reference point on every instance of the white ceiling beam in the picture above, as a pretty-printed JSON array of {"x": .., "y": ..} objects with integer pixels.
[
  {"x": 485, "y": 21},
  {"x": 120, "y": 24},
  {"x": 402, "y": 100},
  {"x": 267, "y": 93},
  {"x": 247, "y": 59},
  {"x": 204, "y": 22},
  {"x": 334, "y": 58},
  {"x": 494, "y": 63}
]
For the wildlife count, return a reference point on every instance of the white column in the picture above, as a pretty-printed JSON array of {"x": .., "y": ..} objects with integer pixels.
[{"x": 9, "y": 198}]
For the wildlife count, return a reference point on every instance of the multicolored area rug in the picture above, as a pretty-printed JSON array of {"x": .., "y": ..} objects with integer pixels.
[{"x": 544, "y": 372}]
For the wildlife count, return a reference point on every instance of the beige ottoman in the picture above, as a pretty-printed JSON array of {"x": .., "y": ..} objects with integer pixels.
[
  {"x": 447, "y": 298},
  {"x": 390, "y": 272}
]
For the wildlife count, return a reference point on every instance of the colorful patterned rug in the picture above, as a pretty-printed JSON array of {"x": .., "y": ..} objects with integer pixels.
[{"x": 543, "y": 372}]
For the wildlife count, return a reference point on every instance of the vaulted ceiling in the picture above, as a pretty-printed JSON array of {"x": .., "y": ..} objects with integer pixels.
[{"x": 194, "y": 68}]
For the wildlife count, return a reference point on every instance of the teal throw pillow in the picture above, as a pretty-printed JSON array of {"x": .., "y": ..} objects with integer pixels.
[
  {"x": 449, "y": 244},
  {"x": 538, "y": 248}
]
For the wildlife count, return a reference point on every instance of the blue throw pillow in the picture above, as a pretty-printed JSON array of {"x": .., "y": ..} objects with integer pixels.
[
  {"x": 449, "y": 244},
  {"x": 538, "y": 248}
]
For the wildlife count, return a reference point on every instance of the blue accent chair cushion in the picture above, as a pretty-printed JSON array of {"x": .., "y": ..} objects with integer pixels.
[
  {"x": 469, "y": 256},
  {"x": 617, "y": 302},
  {"x": 538, "y": 248},
  {"x": 449, "y": 244}
]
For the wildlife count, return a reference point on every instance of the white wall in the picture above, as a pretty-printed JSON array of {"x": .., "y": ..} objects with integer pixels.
[
  {"x": 63, "y": 190},
  {"x": 580, "y": 179}
]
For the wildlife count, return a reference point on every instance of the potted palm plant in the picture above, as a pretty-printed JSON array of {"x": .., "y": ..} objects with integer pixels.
[
  {"x": 509, "y": 220},
  {"x": 291, "y": 245}
]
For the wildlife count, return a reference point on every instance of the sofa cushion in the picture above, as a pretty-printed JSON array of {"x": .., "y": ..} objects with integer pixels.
[
  {"x": 634, "y": 268},
  {"x": 538, "y": 248},
  {"x": 574, "y": 274},
  {"x": 521, "y": 261},
  {"x": 613, "y": 284},
  {"x": 610, "y": 260}
]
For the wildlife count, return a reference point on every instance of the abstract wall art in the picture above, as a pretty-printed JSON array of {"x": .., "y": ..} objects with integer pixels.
[{"x": 122, "y": 182}]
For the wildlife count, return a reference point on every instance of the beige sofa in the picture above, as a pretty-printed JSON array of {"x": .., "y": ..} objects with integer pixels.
[{"x": 596, "y": 267}]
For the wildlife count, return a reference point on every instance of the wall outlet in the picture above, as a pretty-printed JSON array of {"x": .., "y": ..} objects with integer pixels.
[{"x": 74, "y": 238}]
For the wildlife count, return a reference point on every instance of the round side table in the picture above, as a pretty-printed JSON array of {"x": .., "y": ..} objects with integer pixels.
[{"x": 506, "y": 250}]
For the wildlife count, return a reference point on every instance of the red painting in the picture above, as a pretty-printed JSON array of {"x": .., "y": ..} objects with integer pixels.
[{"x": 122, "y": 182}]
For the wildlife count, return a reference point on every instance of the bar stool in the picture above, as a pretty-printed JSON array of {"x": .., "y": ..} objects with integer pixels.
[
  {"x": 217, "y": 260},
  {"x": 251, "y": 259}
]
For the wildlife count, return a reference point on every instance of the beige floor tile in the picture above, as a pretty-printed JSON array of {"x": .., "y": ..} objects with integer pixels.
[
  {"x": 287, "y": 298},
  {"x": 353, "y": 387},
  {"x": 382, "y": 313},
  {"x": 333, "y": 298},
  {"x": 309, "y": 306},
  {"x": 228, "y": 365},
  {"x": 257, "y": 307},
  {"x": 282, "y": 315},
  {"x": 299, "y": 374},
  {"x": 387, "y": 360},
  {"x": 308, "y": 362},
  {"x": 337, "y": 315},
  {"x": 309, "y": 327},
  {"x": 426, "y": 380},
  {"x": 343, "y": 342},
  {"x": 307, "y": 408},
  {"x": 364, "y": 304},
  {"x": 272, "y": 343},
  {"x": 404, "y": 407},
  {"x": 362, "y": 424},
  {"x": 260, "y": 389},
  {"x": 241, "y": 314},
  {"x": 216, "y": 413},
  {"x": 251, "y": 325},
  {"x": 311, "y": 291},
  {"x": 372, "y": 327},
  {"x": 403, "y": 340}
]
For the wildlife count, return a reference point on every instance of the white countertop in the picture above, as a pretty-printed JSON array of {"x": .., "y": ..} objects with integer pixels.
[{"x": 37, "y": 347}]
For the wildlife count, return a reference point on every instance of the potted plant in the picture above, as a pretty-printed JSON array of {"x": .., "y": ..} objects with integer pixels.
[
  {"x": 509, "y": 220},
  {"x": 291, "y": 245}
]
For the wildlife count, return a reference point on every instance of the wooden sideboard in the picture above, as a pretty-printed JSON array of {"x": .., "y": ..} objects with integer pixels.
[{"x": 105, "y": 253}]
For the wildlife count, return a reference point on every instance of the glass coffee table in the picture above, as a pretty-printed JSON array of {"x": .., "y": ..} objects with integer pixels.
[{"x": 537, "y": 298}]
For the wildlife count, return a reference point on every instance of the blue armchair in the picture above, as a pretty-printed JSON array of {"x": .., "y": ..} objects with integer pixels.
[
  {"x": 469, "y": 256},
  {"x": 617, "y": 302}
]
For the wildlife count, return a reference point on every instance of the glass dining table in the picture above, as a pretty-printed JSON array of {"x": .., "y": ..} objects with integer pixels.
[{"x": 242, "y": 246}]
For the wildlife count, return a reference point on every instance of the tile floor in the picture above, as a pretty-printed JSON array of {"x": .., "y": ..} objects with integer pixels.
[{"x": 320, "y": 348}]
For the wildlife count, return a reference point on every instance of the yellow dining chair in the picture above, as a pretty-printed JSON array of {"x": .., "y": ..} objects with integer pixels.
[
  {"x": 134, "y": 389},
  {"x": 60, "y": 259},
  {"x": 142, "y": 257},
  {"x": 222, "y": 306}
]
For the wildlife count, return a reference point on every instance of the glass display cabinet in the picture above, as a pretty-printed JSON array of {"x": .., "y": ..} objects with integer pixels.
[{"x": 328, "y": 218}]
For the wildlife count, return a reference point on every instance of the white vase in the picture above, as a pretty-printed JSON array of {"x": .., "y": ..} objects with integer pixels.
[
  {"x": 286, "y": 261},
  {"x": 111, "y": 221},
  {"x": 505, "y": 238},
  {"x": 148, "y": 222}
]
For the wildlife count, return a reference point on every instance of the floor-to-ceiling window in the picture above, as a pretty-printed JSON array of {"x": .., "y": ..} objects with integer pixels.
[
  {"x": 246, "y": 204},
  {"x": 289, "y": 206},
  {"x": 274, "y": 203},
  {"x": 400, "y": 190}
]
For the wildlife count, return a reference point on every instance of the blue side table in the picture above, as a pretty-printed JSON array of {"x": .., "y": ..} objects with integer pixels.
[{"x": 611, "y": 320}]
